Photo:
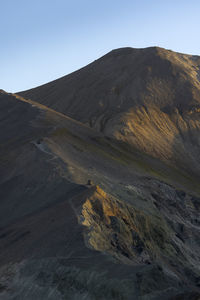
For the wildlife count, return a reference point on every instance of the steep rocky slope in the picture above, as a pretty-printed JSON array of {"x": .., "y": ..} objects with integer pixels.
[{"x": 149, "y": 98}]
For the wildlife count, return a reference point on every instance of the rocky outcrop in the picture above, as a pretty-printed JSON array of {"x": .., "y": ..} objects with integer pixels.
[{"x": 123, "y": 231}]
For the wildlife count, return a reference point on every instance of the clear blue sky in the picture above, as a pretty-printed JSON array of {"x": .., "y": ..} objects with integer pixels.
[{"x": 41, "y": 40}]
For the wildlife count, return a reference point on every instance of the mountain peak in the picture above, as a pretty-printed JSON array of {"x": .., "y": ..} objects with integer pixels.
[{"x": 128, "y": 91}]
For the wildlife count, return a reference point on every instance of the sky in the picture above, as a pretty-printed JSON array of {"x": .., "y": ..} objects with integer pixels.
[{"x": 42, "y": 40}]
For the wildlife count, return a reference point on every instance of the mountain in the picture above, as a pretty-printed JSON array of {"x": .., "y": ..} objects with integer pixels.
[
  {"x": 99, "y": 182},
  {"x": 149, "y": 98}
]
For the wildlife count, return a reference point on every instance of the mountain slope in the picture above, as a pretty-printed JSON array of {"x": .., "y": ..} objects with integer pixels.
[
  {"x": 142, "y": 232},
  {"x": 148, "y": 98},
  {"x": 133, "y": 233}
]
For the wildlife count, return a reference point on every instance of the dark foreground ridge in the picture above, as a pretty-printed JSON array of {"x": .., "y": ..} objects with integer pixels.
[{"x": 99, "y": 182}]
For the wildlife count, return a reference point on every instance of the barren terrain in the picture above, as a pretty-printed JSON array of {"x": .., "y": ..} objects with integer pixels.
[{"x": 128, "y": 123}]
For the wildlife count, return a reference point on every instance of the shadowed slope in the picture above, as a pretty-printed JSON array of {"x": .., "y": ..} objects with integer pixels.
[{"x": 28, "y": 181}]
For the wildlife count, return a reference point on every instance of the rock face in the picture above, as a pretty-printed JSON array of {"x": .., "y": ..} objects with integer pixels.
[
  {"x": 122, "y": 231},
  {"x": 99, "y": 182}
]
